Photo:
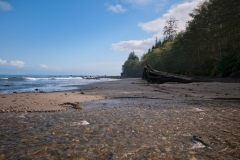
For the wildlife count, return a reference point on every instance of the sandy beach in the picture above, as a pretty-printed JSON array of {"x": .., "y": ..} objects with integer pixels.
[
  {"x": 43, "y": 102},
  {"x": 141, "y": 89},
  {"x": 125, "y": 119},
  {"x": 126, "y": 88}
]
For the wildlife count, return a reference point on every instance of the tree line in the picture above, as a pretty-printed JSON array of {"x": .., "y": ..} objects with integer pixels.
[{"x": 210, "y": 45}]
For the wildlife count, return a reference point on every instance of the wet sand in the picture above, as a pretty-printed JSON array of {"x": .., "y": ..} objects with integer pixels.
[
  {"x": 135, "y": 88},
  {"x": 138, "y": 88},
  {"x": 134, "y": 120}
]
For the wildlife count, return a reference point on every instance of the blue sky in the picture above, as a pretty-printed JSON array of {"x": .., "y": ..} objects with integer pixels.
[{"x": 81, "y": 37}]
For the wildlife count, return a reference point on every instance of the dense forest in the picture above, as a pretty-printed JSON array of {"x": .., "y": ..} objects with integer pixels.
[{"x": 210, "y": 45}]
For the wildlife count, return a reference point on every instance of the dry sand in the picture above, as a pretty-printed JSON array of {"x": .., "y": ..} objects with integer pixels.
[
  {"x": 30, "y": 102},
  {"x": 125, "y": 88}
]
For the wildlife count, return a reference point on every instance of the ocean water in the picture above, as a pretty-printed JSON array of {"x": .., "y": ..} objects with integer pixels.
[{"x": 45, "y": 83}]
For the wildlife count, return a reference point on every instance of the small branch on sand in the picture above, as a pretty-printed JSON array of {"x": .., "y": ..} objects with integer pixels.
[{"x": 74, "y": 105}]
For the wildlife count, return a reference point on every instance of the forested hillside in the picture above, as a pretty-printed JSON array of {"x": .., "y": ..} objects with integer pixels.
[{"x": 210, "y": 45}]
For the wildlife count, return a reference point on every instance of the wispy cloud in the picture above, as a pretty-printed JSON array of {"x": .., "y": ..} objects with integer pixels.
[
  {"x": 142, "y": 4},
  {"x": 115, "y": 9},
  {"x": 43, "y": 66},
  {"x": 47, "y": 67},
  {"x": 17, "y": 63},
  {"x": 138, "y": 2},
  {"x": 2, "y": 62},
  {"x": 5, "y": 6},
  {"x": 179, "y": 12}
]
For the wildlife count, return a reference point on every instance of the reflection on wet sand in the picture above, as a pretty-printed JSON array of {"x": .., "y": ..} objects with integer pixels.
[{"x": 124, "y": 129}]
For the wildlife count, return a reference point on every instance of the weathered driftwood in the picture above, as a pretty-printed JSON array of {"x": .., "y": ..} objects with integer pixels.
[{"x": 155, "y": 76}]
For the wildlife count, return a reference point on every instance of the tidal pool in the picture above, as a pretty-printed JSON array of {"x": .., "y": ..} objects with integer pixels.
[{"x": 125, "y": 129}]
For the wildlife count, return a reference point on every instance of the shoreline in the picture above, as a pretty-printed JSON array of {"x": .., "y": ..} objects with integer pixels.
[{"x": 124, "y": 88}]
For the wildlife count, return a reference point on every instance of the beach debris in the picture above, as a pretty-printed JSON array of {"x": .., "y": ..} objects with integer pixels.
[
  {"x": 199, "y": 110},
  {"x": 199, "y": 142},
  {"x": 155, "y": 76},
  {"x": 198, "y": 145},
  {"x": 82, "y": 93},
  {"x": 73, "y": 105},
  {"x": 83, "y": 122},
  {"x": 77, "y": 107}
]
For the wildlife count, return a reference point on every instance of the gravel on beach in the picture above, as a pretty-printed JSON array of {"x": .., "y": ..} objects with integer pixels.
[{"x": 135, "y": 121}]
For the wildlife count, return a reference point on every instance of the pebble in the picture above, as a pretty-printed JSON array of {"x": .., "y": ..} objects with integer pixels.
[{"x": 118, "y": 129}]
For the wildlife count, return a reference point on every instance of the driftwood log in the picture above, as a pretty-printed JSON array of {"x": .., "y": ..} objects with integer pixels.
[{"x": 155, "y": 76}]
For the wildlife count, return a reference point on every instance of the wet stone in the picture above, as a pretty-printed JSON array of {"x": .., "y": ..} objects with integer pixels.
[{"x": 125, "y": 129}]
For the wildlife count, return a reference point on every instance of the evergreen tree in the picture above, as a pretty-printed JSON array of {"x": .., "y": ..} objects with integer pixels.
[
  {"x": 153, "y": 48},
  {"x": 143, "y": 56},
  {"x": 170, "y": 29},
  {"x": 210, "y": 45},
  {"x": 133, "y": 56}
]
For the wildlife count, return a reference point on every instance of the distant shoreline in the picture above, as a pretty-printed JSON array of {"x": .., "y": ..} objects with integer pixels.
[{"x": 46, "y": 83}]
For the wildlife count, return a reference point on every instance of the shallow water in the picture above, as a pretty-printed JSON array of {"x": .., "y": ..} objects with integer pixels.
[
  {"x": 44, "y": 83},
  {"x": 125, "y": 129}
]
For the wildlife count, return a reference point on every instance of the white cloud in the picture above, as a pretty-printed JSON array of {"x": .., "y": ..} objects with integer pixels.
[
  {"x": 179, "y": 12},
  {"x": 2, "y": 62},
  {"x": 142, "y": 4},
  {"x": 138, "y": 2},
  {"x": 138, "y": 46},
  {"x": 43, "y": 66},
  {"x": 17, "y": 63},
  {"x": 154, "y": 25},
  {"x": 5, "y": 6},
  {"x": 116, "y": 9}
]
